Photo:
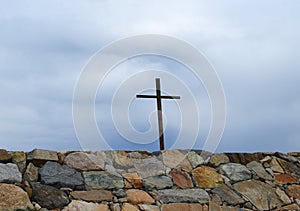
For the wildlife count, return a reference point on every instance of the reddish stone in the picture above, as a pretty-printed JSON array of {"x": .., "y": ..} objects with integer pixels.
[
  {"x": 289, "y": 167},
  {"x": 129, "y": 207},
  {"x": 133, "y": 179},
  {"x": 92, "y": 195},
  {"x": 244, "y": 158},
  {"x": 207, "y": 177},
  {"x": 136, "y": 196},
  {"x": 181, "y": 207},
  {"x": 294, "y": 191},
  {"x": 181, "y": 178},
  {"x": 4, "y": 156},
  {"x": 285, "y": 179}
]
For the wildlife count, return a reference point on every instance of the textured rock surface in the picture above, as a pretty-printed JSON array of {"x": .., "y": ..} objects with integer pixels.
[
  {"x": 136, "y": 196},
  {"x": 103, "y": 180},
  {"x": 10, "y": 173},
  {"x": 207, "y": 177},
  {"x": 236, "y": 172},
  {"x": 186, "y": 195},
  {"x": 13, "y": 198},
  {"x": 228, "y": 195},
  {"x": 143, "y": 181},
  {"x": 58, "y": 175},
  {"x": 157, "y": 182},
  {"x": 93, "y": 195},
  {"x": 85, "y": 206},
  {"x": 261, "y": 195},
  {"x": 85, "y": 161},
  {"x": 48, "y": 196}
]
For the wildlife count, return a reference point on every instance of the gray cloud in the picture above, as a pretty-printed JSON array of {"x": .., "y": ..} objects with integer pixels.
[{"x": 253, "y": 46}]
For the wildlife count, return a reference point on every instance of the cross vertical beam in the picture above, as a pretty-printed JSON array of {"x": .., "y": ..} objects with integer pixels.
[
  {"x": 159, "y": 97},
  {"x": 159, "y": 115}
]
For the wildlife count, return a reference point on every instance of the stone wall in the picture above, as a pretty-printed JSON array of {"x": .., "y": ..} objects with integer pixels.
[{"x": 175, "y": 180}]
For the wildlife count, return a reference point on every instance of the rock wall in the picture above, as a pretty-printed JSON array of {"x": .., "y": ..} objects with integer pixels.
[{"x": 175, "y": 180}]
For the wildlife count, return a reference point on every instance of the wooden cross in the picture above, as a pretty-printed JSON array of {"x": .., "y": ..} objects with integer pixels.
[{"x": 158, "y": 97}]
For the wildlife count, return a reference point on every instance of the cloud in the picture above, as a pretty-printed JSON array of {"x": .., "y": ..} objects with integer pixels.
[{"x": 253, "y": 46}]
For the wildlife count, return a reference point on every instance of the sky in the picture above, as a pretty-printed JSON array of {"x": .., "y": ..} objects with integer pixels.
[{"x": 253, "y": 46}]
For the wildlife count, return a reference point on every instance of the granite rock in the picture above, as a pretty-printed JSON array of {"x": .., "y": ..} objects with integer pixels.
[
  {"x": 185, "y": 195},
  {"x": 157, "y": 182},
  {"x": 206, "y": 177},
  {"x": 103, "y": 180},
  {"x": 228, "y": 195},
  {"x": 14, "y": 198},
  {"x": 92, "y": 195},
  {"x": 136, "y": 196},
  {"x": 58, "y": 175},
  {"x": 48, "y": 196},
  {"x": 76, "y": 205},
  {"x": 85, "y": 161},
  {"x": 181, "y": 178},
  {"x": 236, "y": 172},
  {"x": 9, "y": 173}
]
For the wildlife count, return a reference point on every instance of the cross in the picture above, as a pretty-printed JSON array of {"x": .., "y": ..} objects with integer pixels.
[{"x": 158, "y": 97}]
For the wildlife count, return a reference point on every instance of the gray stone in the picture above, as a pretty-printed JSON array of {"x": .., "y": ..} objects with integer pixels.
[
  {"x": 261, "y": 195},
  {"x": 186, "y": 195},
  {"x": 31, "y": 173},
  {"x": 157, "y": 182},
  {"x": 103, "y": 180},
  {"x": 9, "y": 173},
  {"x": 48, "y": 196},
  {"x": 228, "y": 195},
  {"x": 85, "y": 161},
  {"x": 236, "y": 172},
  {"x": 58, "y": 175},
  {"x": 259, "y": 170},
  {"x": 148, "y": 167},
  {"x": 194, "y": 159}
]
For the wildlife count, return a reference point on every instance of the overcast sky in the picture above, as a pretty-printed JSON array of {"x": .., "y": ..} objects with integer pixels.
[{"x": 253, "y": 45}]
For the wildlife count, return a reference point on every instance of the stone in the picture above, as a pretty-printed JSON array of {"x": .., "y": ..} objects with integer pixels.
[
  {"x": 236, "y": 172},
  {"x": 282, "y": 196},
  {"x": 32, "y": 173},
  {"x": 121, "y": 159},
  {"x": 185, "y": 195},
  {"x": 181, "y": 207},
  {"x": 215, "y": 207},
  {"x": 290, "y": 207},
  {"x": 228, "y": 195},
  {"x": 136, "y": 196},
  {"x": 293, "y": 191},
  {"x": 175, "y": 159},
  {"x": 287, "y": 157},
  {"x": 195, "y": 159},
  {"x": 261, "y": 195},
  {"x": 103, "y": 180},
  {"x": 14, "y": 198},
  {"x": 290, "y": 167},
  {"x": 157, "y": 182},
  {"x": 148, "y": 167},
  {"x": 92, "y": 195},
  {"x": 147, "y": 207},
  {"x": 129, "y": 207},
  {"x": 59, "y": 176},
  {"x": 85, "y": 206},
  {"x": 133, "y": 179},
  {"x": 17, "y": 157},
  {"x": 115, "y": 207},
  {"x": 9, "y": 173},
  {"x": 206, "y": 177},
  {"x": 244, "y": 158},
  {"x": 181, "y": 178},
  {"x": 294, "y": 154},
  {"x": 48, "y": 196},
  {"x": 284, "y": 179},
  {"x": 5, "y": 157},
  {"x": 85, "y": 161},
  {"x": 275, "y": 166},
  {"x": 218, "y": 159},
  {"x": 259, "y": 170},
  {"x": 39, "y": 156}
]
